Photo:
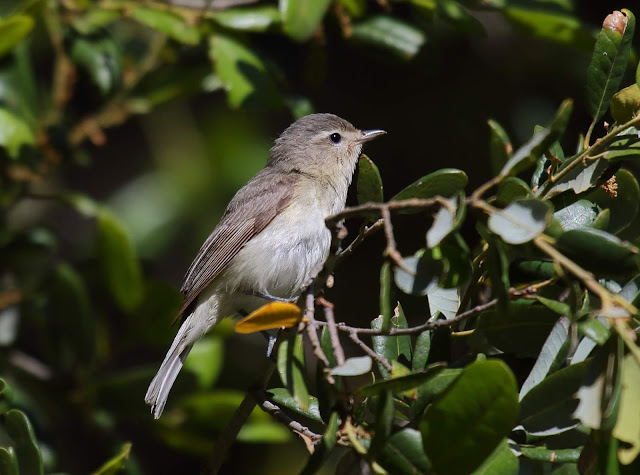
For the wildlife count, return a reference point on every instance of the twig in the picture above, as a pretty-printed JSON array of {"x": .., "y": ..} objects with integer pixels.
[
  {"x": 361, "y": 210},
  {"x": 430, "y": 325},
  {"x": 277, "y": 413},
  {"x": 365, "y": 231},
  {"x": 333, "y": 332},
  {"x": 312, "y": 327},
  {"x": 380, "y": 359},
  {"x": 391, "y": 250}
]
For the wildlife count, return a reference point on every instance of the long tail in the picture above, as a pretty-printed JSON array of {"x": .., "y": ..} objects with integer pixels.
[{"x": 161, "y": 385}]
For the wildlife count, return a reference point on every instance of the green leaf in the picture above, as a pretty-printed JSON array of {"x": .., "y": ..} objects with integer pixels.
[
  {"x": 548, "y": 407},
  {"x": 598, "y": 251},
  {"x": 444, "y": 301},
  {"x": 369, "y": 181},
  {"x": 391, "y": 347},
  {"x": 500, "y": 148},
  {"x": 400, "y": 384},
  {"x": 120, "y": 266},
  {"x": 627, "y": 428},
  {"x": 501, "y": 461},
  {"x": 291, "y": 367},
  {"x": 625, "y": 146},
  {"x": 167, "y": 22},
  {"x": 433, "y": 388},
  {"x": 560, "y": 308},
  {"x": 521, "y": 221},
  {"x": 421, "y": 351},
  {"x": 580, "y": 214},
  {"x": 14, "y": 134},
  {"x": 530, "y": 152},
  {"x": 624, "y": 205},
  {"x": 8, "y": 462},
  {"x": 451, "y": 426},
  {"x": 25, "y": 445},
  {"x": 327, "y": 348},
  {"x": 511, "y": 189},
  {"x": 388, "y": 33},
  {"x": 521, "y": 328},
  {"x": 403, "y": 454},
  {"x": 353, "y": 367},
  {"x": 205, "y": 360},
  {"x": 301, "y": 18},
  {"x": 324, "y": 448},
  {"x": 444, "y": 222},
  {"x": 97, "y": 55},
  {"x": 548, "y": 24},
  {"x": 462, "y": 20},
  {"x": 117, "y": 463},
  {"x": 259, "y": 18},
  {"x": 283, "y": 398},
  {"x": 384, "y": 413},
  {"x": 594, "y": 329},
  {"x": 625, "y": 104},
  {"x": 579, "y": 179},
  {"x": 446, "y": 183},
  {"x": 609, "y": 61},
  {"x": 13, "y": 30},
  {"x": 553, "y": 354},
  {"x": 425, "y": 270},
  {"x": 552, "y": 455}
]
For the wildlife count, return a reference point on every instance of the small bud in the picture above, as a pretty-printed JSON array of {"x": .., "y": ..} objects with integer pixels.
[{"x": 616, "y": 21}]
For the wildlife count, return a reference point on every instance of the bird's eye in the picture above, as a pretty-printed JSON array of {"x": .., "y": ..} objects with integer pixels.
[{"x": 335, "y": 137}]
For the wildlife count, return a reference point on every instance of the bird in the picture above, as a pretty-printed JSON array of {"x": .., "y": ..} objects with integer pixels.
[{"x": 270, "y": 238}]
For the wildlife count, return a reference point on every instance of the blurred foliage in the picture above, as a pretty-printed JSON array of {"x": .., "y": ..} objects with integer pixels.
[{"x": 524, "y": 358}]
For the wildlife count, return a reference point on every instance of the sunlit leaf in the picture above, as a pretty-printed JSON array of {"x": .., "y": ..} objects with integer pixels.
[
  {"x": 258, "y": 18},
  {"x": 443, "y": 223},
  {"x": 167, "y": 22},
  {"x": 98, "y": 57},
  {"x": 14, "y": 134},
  {"x": 580, "y": 214},
  {"x": 301, "y": 18},
  {"x": 117, "y": 463},
  {"x": 625, "y": 104},
  {"x": 354, "y": 366},
  {"x": 609, "y": 61},
  {"x": 627, "y": 427},
  {"x": 476, "y": 428},
  {"x": 283, "y": 398},
  {"x": 270, "y": 316},
  {"x": 13, "y": 30},
  {"x": 521, "y": 221},
  {"x": 512, "y": 189},
  {"x": 446, "y": 182},
  {"x": 391, "y": 34}
]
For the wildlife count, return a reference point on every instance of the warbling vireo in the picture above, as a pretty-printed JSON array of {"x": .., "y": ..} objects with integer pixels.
[{"x": 270, "y": 238}]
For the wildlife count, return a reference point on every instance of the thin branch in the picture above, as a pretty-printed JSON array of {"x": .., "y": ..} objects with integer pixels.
[
  {"x": 365, "y": 231},
  {"x": 361, "y": 210},
  {"x": 312, "y": 327},
  {"x": 333, "y": 332},
  {"x": 391, "y": 250},
  {"x": 277, "y": 413},
  {"x": 380, "y": 359}
]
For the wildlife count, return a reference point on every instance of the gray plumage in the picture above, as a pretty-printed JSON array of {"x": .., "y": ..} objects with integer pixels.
[{"x": 271, "y": 236}]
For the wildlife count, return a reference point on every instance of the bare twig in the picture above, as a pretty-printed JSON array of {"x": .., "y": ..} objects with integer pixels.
[
  {"x": 367, "y": 208},
  {"x": 274, "y": 411},
  {"x": 365, "y": 231},
  {"x": 333, "y": 332},
  {"x": 353, "y": 335},
  {"x": 312, "y": 327}
]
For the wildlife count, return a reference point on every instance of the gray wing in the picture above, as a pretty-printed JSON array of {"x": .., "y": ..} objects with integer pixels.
[{"x": 257, "y": 203}]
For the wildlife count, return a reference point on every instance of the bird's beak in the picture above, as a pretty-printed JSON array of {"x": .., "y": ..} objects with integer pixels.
[{"x": 366, "y": 135}]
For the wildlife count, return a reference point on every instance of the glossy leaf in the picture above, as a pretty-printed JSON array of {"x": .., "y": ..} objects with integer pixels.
[
  {"x": 292, "y": 369},
  {"x": 444, "y": 223},
  {"x": 270, "y": 316},
  {"x": 609, "y": 61},
  {"x": 579, "y": 179},
  {"x": 580, "y": 214},
  {"x": 554, "y": 352},
  {"x": 369, "y": 184},
  {"x": 476, "y": 428},
  {"x": 14, "y": 134},
  {"x": 8, "y": 461},
  {"x": 521, "y": 328},
  {"x": 548, "y": 407},
  {"x": 97, "y": 55},
  {"x": 301, "y": 18},
  {"x": 625, "y": 146},
  {"x": 403, "y": 454},
  {"x": 622, "y": 201},
  {"x": 391, "y": 347},
  {"x": 595, "y": 330},
  {"x": 421, "y": 350},
  {"x": 527, "y": 155},
  {"x": 446, "y": 182},
  {"x": 385, "y": 296},
  {"x": 444, "y": 301},
  {"x": 391, "y": 34},
  {"x": 25, "y": 445},
  {"x": 625, "y": 104},
  {"x": 598, "y": 251},
  {"x": 501, "y": 461},
  {"x": 283, "y": 398},
  {"x": 384, "y": 413},
  {"x": 119, "y": 262},
  {"x": 433, "y": 388},
  {"x": 167, "y": 22},
  {"x": 258, "y": 18},
  {"x": 549, "y": 455},
  {"x": 521, "y": 221},
  {"x": 627, "y": 428},
  {"x": 354, "y": 366},
  {"x": 400, "y": 384},
  {"x": 500, "y": 148},
  {"x": 117, "y": 463},
  {"x": 512, "y": 189},
  {"x": 13, "y": 29},
  {"x": 425, "y": 270},
  {"x": 243, "y": 73}
]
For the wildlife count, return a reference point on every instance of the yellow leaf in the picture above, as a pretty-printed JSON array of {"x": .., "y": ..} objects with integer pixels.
[{"x": 270, "y": 316}]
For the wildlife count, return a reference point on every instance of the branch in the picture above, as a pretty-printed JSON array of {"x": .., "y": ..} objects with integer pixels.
[
  {"x": 380, "y": 359},
  {"x": 333, "y": 332},
  {"x": 312, "y": 327},
  {"x": 361, "y": 210}
]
